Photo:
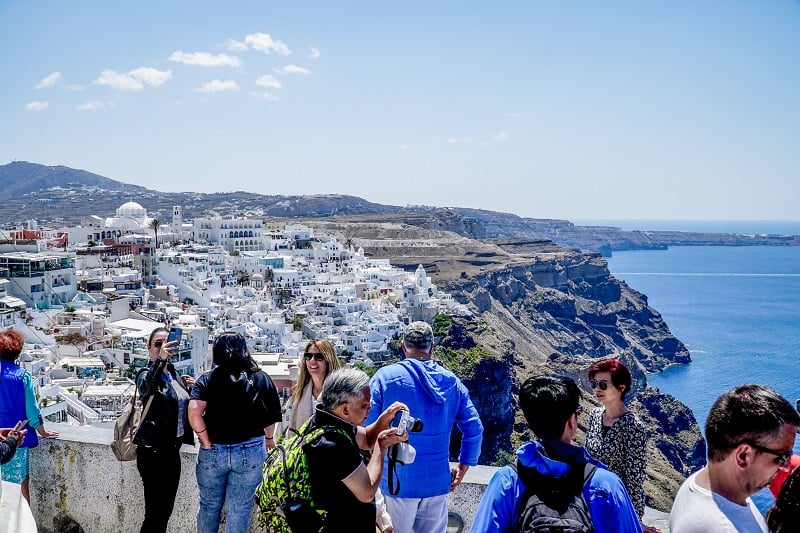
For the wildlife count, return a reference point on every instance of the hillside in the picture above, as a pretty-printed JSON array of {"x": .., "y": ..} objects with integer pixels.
[{"x": 60, "y": 196}]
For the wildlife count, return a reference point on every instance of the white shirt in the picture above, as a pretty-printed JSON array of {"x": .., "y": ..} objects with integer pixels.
[{"x": 698, "y": 510}]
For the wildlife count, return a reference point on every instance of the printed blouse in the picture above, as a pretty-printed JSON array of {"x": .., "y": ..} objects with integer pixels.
[{"x": 623, "y": 448}]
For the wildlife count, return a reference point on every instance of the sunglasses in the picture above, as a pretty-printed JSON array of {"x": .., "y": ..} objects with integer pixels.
[
  {"x": 315, "y": 356},
  {"x": 781, "y": 458},
  {"x": 602, "y": 384},
  {"x": 158, "y": 343}
]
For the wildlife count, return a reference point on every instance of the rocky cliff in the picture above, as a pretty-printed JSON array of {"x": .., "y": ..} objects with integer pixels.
[{"x": 541, "y": 308}]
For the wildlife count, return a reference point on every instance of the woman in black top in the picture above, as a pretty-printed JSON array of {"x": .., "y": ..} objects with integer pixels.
[
  {"x": 162, "y": 432},
  {"x": 233, "y": 409}
]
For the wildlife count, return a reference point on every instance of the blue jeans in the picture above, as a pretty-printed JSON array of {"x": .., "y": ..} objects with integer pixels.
[{"x": 228, "y": 474}]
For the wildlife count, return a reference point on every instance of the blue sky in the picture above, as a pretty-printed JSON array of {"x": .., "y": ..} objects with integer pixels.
[{"x": 576, "y": 110}]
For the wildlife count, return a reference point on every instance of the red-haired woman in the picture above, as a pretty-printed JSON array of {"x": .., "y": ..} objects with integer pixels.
[
  {"x": 615, "y": 435},
  {"x": 18, "y": 402}
]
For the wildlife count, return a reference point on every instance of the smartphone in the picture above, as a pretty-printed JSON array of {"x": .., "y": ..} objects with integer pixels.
[
  {"x": 175, "y": 335},
  {"x": 22, "y": 424}
]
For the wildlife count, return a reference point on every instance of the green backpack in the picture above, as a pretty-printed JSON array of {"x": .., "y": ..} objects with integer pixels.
[{"x": 284, "y": 494}]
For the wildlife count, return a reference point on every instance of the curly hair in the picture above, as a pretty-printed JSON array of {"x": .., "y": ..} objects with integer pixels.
[{"x": 11, "y": 342}]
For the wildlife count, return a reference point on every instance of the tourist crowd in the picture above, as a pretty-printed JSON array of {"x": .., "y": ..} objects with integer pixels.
[{"x": 379, "y": 456}]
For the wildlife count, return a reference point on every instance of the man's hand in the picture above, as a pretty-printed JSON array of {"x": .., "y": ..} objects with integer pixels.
[
  {"x": 389, "y": 437},
  {"x": 458, "y": 475},
  {"x": 388, "y": 415}
]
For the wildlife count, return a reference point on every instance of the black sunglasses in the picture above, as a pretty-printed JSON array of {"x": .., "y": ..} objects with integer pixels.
[
  {"x": 602, "y": 384},
  {"x": 781, "y": 458},
  {"x": 315, "y": 356}
]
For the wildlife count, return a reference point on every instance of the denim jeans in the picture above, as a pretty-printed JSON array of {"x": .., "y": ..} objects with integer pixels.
[{"x": 228, "y": 474}]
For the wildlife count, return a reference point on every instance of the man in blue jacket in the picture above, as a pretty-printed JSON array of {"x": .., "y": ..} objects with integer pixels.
[
  {"x": 438, "y": 398},
  {"x": 551, "y": 405}
]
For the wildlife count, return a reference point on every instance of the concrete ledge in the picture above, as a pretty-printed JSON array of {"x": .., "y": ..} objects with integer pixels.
[{"x": 76, "y": 478}]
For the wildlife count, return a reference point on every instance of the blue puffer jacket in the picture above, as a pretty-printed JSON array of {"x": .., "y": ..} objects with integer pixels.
[{"x": 436, "y": 396}]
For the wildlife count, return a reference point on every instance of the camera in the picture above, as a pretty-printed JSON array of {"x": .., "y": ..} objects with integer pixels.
[{"x": 408, "y": 423}]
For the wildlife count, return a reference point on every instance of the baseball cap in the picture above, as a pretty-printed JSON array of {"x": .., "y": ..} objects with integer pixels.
[{"x": 419, "y": 334}]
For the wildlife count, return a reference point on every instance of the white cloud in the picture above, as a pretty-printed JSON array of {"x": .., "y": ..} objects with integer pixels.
[
  {"x": 36, "y": 106},
  {"x": 263, "y": 42},
  {"x": 314, "y": 54},
  {"x": 455, "y": 140},
  {"x": 266, "y": 96},
  {"x": 514, "y": 114},
  {"x": 204, "y": 59},
  {"x": 236, "y": 46},
  {"x": 216, "y": 86},
  {"x": 135, "y": 80},
  {"x": 502, "y": 136},
  {"x": 49, "y": 81},
  {"x": 94, "y": 105},
  {"x": 152, "y": 76},
  {"x": 269, "y": 81},
  {"x": 293, "y": 69},
  {"x": 75, "y": 88}
]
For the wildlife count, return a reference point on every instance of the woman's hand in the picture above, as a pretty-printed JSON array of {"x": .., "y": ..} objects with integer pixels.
[
  {"x": 167, "y": 350},
  {"x": 188, "y": 381}
]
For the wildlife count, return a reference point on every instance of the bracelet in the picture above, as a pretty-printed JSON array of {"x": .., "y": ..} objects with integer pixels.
[
  {"x": 269, "y": 438},
  {"x": 204, "y": 430}
]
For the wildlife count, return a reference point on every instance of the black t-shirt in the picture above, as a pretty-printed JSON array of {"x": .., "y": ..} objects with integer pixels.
[
  {"x": 239, "y": 406},
  {"x": 331, "y": 459}
]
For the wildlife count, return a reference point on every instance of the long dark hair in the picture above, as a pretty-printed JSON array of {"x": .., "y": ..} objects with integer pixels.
[
  {"x": 785, "y": 514},
  {"x": 230, "y": 353}
]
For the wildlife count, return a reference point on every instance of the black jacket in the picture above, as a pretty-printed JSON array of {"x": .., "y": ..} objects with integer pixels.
[
  {"x": 160, "y": 426},
  {"x": 7, "y": 450}
]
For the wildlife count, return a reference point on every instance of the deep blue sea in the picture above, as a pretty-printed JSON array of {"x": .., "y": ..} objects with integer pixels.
[{"x": 737, "y": 310}]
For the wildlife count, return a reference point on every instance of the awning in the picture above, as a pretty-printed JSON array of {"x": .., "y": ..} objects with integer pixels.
[{"x": 10, "y": 301}]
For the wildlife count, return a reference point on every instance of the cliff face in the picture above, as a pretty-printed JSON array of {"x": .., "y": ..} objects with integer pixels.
[{"x": 558, "y": 314}]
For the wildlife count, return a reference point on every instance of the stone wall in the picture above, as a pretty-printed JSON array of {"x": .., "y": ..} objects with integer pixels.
[{"x": 76, "y": 479}]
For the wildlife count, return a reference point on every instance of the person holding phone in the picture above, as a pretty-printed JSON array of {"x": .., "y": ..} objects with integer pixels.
[
  {"x": 9, "y": 439},
  {"x": 233, "y": 410},
  {"x": 164, "y": 430},
  {"x": 18, "y": 402}
]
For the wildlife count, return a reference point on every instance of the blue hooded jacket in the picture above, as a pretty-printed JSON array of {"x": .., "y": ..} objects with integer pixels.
[
  {"x": 609, "y": 505},
  {"x": 436, "y": 396}
]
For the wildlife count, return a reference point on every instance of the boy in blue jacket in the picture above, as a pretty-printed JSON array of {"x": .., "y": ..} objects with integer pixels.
[{"x": 551, "y": 405}]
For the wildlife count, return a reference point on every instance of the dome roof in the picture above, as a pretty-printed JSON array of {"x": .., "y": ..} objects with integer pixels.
[{"x": 131, "y": 209}]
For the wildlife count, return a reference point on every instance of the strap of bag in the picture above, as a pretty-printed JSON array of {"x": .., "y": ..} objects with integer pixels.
[{"x": 144, "y": 411}]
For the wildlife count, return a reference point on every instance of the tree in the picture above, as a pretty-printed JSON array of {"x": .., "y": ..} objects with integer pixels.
[
  {"x": 154, "y": 225},
  {"x": 75, "y": 339}
]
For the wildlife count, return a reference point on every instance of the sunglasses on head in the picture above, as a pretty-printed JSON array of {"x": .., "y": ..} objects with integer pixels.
[
  {"x": 602, "y": 384},
  {"x": 781, "y": 458},
  {"x": 315, "y": 356}
]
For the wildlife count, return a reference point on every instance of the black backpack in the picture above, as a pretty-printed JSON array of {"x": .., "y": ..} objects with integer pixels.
[{"x": 554, "y": 504}]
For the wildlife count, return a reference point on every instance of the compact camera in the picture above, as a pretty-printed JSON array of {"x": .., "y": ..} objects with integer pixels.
[{"x": 407, "y": 422}]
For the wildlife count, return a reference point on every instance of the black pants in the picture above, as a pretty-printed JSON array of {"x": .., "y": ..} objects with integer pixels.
[{"x": 161, "y": 471}]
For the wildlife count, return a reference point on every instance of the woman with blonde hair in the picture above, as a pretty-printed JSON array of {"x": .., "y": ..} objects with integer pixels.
[{"x": 317, "y": 362}]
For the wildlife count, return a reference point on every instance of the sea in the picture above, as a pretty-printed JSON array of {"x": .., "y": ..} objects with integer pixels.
[{"x": 737, "y": 310}]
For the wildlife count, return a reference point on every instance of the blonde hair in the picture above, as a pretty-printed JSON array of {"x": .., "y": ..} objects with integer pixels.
[{"x": 304, "y": 378}]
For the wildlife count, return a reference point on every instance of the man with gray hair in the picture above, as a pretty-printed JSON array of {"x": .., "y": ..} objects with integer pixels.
[
  {"x": 439, "y": 399},
  {"x": 340, "y": 482}
]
